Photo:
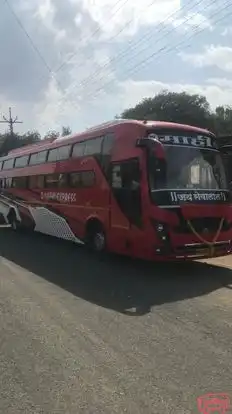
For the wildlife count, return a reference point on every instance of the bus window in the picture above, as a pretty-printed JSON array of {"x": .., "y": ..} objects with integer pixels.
[
  {"x": 8, "y": 182},
  {"x": 64, "y": 152},
  {"x": 116, "y": 176},
  {"x": 82, "y": 179},
  {"x": 108, "y": 144},
  {"x": 36, "y": 181},
  {"x": 59, "y": 154},
  {"x": 107, "y": 147},
  {"x": 19, "y": 182},
  {"x": 125, "y": 182},
  {"x": 75, "y": 180},
  {"x": 38, "y": 158},
  {"x": 21, "y": 161},
  {"x": 93, "y": 146},
  {"x": 126, "y": 175},
  {"x": 78, "y": 149},
  {"x": 87, "y": 178},
  {"x": 8, "y": 164},
  {"x": 55, "y": 180}
]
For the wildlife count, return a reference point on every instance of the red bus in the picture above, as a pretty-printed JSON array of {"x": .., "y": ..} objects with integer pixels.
[{"x": 147, "y": 189}]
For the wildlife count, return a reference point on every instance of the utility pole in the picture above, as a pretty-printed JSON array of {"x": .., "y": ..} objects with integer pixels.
[{"x": 10, "y": 122}]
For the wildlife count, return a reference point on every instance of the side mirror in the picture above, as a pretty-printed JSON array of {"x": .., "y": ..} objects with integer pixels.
[{"x": 153, "y": 144}]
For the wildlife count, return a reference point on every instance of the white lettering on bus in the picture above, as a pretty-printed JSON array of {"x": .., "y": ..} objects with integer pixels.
[
  {"x": 197, "y": 141},
  {"x": 57, "y": 196},
  {"x": 196, "y": 196}
]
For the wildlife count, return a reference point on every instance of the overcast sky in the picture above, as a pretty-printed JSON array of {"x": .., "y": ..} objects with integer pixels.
[{"x": 81, "y": 62}]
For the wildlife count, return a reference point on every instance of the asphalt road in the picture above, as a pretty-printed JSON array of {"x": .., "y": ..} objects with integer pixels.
[{"x": 80, "y": 335}]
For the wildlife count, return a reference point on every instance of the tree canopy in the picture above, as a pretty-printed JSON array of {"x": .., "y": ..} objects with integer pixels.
[
  {"x": 192, "y": 109},
  {"x": 9, "y": 142},
  {"x": 66, "y": 130}
]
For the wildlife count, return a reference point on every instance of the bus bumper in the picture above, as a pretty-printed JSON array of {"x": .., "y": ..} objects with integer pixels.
[{"x": 192, "y": 251}]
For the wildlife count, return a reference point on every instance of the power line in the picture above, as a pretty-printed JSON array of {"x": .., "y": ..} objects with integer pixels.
[
  {"x": 28, "y": 37},
  {"x": 170, "y": 16},
  {"x": 143, "y": 40},
  {"x": 37, "y": 51},
  {"x": 163, "y": 50},
  {"x": 91, "y": 36},
  {"x": 33, "y": 45},
  {"x": 10, "y": 122},
  {"x": 128, "y": 22}
]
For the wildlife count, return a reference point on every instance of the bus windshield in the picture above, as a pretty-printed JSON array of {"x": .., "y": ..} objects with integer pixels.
[{"x": 190, "y": 168}]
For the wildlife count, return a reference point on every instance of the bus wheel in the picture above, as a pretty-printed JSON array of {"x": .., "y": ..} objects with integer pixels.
[
  {"x": 95, "y": 237},
  {"x": 13, "y": 221},
  {"x": 14, "y": 225}
]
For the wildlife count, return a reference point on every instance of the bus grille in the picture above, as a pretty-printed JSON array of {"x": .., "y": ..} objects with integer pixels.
[
  {"x": 200, "y": 249},
  {"x": 202, "y": 225}
]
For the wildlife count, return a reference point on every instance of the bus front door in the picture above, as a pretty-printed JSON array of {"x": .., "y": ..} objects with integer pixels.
[{"x": 126, "y": 202}]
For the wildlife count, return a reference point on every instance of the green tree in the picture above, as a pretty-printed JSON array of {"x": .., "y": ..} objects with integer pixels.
[
  {"x": 66, "y": 130},
  {"x": 31, "y": 137},
  {"x": 9, "y": 142},
  {"x": 222, "y": 120},
  {"x": 52, "y": 135},
  {"x": 173, "y": 107}
]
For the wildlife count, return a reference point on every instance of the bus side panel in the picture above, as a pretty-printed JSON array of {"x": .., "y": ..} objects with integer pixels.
[{"x": 93, "y": 202}]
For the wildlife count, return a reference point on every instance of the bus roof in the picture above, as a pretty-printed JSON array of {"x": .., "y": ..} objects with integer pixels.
[{"x": 102, "y": 128}]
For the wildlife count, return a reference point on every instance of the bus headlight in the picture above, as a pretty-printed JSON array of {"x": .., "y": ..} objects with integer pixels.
[
  {"x": 162, "y": 233},
  {"x": 160, "y": 228}
]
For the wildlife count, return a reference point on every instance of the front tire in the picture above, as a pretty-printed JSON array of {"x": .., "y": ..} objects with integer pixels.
[
  {"x": 14, "y": 223},
  {"x": 99, "y": 242},
  {"x": 95, "y": 238}
]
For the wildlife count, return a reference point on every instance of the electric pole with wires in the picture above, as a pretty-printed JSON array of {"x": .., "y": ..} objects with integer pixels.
[{"x": 10, "y": 122}]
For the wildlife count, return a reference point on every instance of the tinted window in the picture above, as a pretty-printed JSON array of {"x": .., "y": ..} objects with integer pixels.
[
  {"x": 126, "y": 175},
  {"x": 82, "y": 179},
  {"x": 107, "y": 148},
  {"x": 75, "y": 179},
  {"x": 78, "y": 149},
  {"x": 56, "y": 180},
  {"x": 19, "y": 182},
  {"x": 87, "y": 178},
  {"x": 21, "y": 161},
  {"x": 108, "y": 144},
  {"x": 8, "y": 182},
  {"x": 36, "y": 181},
  {"x": 38, "y": 158},
  {"x": 126, "y": 189},
  {"x": 93, "y": 146},
  {"x": 8, "y": 164},
  {"x": 116, "y": 176},
  {"x": 58, "y": 154}
]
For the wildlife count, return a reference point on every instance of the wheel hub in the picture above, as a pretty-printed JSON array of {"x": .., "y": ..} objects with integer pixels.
[{"x": 99, "y": 241}]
